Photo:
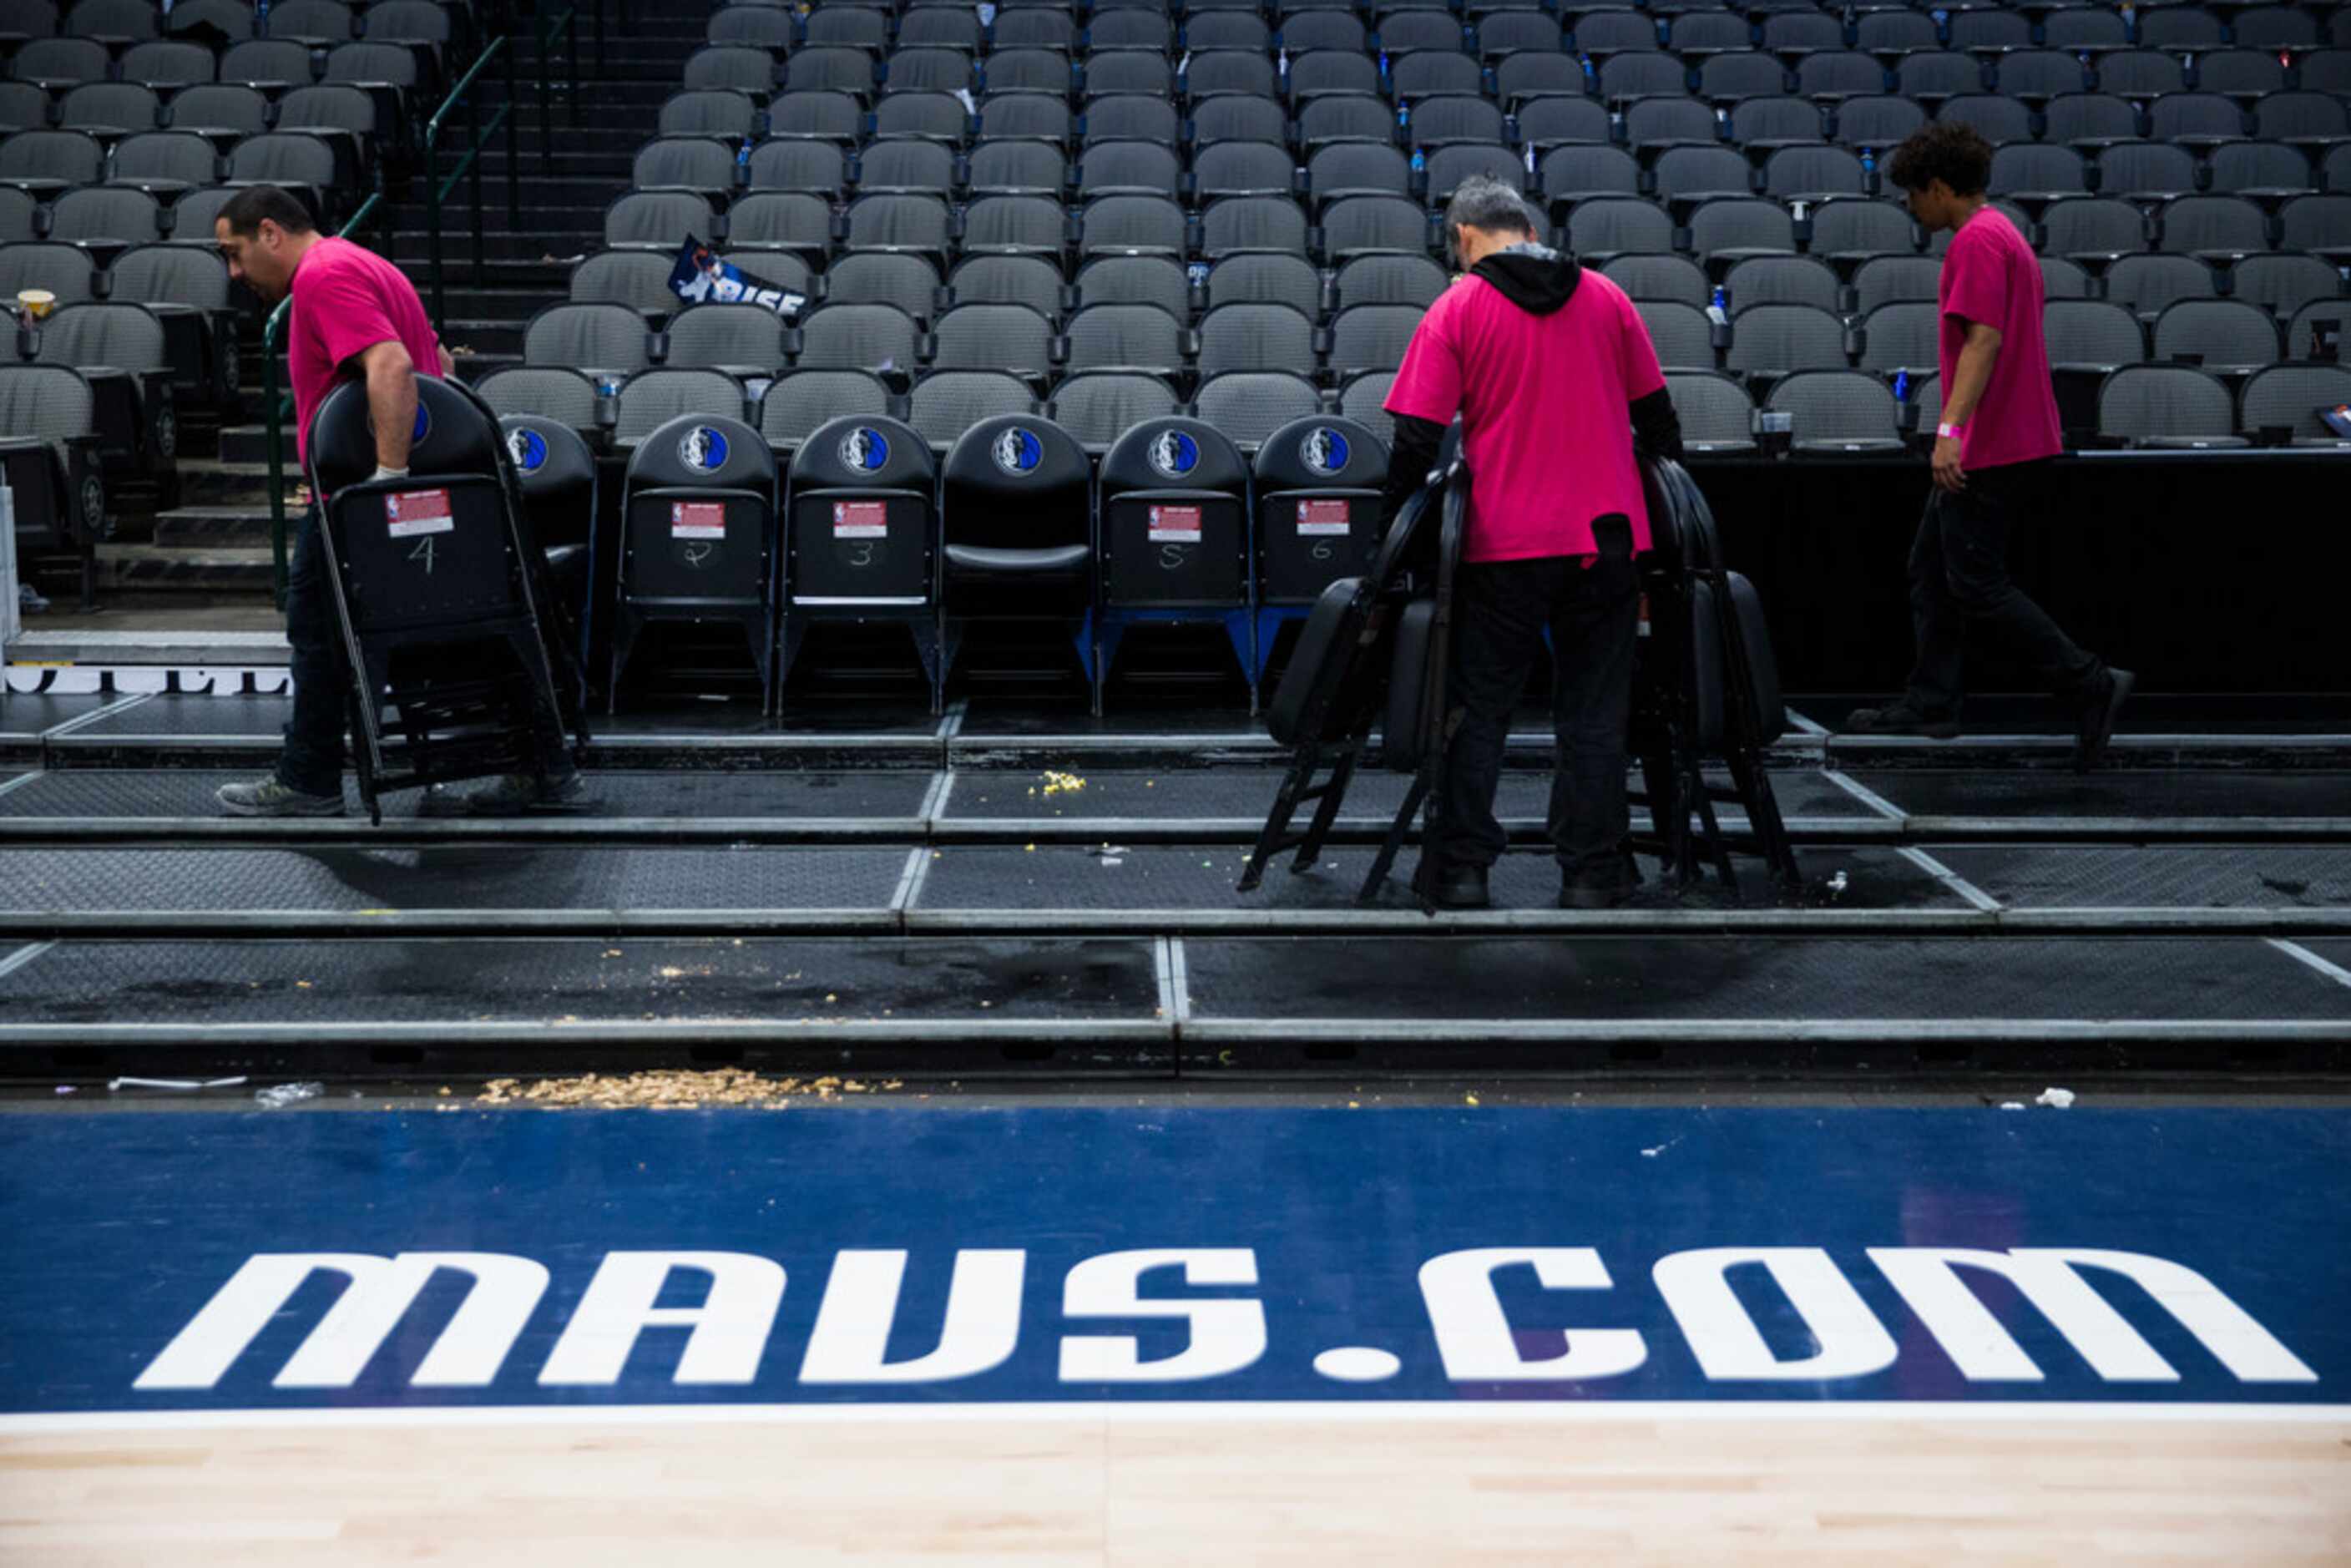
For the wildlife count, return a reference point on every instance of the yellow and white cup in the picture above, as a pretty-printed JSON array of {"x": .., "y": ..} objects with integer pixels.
[{"x": 35, "y": 303}]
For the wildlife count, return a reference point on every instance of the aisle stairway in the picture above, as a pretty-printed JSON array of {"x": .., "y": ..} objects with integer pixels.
[{"x": 215, "y": 547}]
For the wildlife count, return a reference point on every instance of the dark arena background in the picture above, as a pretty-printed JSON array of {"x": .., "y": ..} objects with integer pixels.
[{"x": 873, "y": 1122}]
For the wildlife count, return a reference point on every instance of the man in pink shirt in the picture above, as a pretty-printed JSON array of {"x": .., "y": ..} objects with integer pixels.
[
  {"x": 1997, "y": 432},
  {"x": 355, "y": 317},
  {"x": 1551, "y": 373}
]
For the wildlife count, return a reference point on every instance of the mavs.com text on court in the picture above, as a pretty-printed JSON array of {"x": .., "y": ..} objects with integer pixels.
[{"x": 1218, "y": 1323}]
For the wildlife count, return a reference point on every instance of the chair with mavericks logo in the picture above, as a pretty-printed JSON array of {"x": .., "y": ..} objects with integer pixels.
[
  {"x": 698, "y": 542},
  {"x": 861, "y": 508},
  {"x": 1319, "y": 517},
  {"x": 556, "y": 471},
  {"x": 438, "y": 596},
  {"x": 1016, "y": 534},
  {"x": 1174, "y": 509}
]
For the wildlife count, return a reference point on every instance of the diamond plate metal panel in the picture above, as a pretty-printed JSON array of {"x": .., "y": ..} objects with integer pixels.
[
  {"x": 1727, "y": 977},
  {"x": 659, "y": 792},
  {"x": 2289, "y": 877},
  {"x": 473, "y": 878},
  {"x": 2168, "y": 793},
  {"x": 496, "y": 981},
  {"x": 1082, "y": 877}
]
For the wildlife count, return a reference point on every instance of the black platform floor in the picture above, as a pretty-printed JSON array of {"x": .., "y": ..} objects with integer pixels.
[{"x": 1024, "y": 890}]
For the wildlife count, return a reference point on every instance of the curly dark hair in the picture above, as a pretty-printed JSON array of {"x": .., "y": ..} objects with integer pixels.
[{"x": 1950, "y": 150}]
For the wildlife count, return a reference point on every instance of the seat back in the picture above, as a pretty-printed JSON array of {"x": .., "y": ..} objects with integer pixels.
[
  {"x": 556, "y": 474},
  {"x": 435, "y": 549},
  {"x": 1319, "y": 506},
  {"x": 1175, "y": 507},
  {"x": 699, "y": 515},
  {"x": 862, "y": 516}
]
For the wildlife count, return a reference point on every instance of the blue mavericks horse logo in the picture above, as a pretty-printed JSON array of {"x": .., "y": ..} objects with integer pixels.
[
  {"x": 1174, "y": 454},
  {"x": 528, "y": 449},
  {"x": 702, "y": 449},
  {"x": 1019, "y": 452},
  {"x": 865, "y": 449},
  {"x": 1324, "y": 450}
]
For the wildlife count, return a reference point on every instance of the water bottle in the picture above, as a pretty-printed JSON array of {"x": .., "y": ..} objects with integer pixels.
[
  {"x": 1718, "y": 309},
  {"x": 1590, "y": 77},
  {"x": 742, "y": 161},
  {"x": 1722, "y": 123},
  {"x": 1383, "y": 65},
  {"x": 1530, "y": 157},
  {"x": 1404, "y": 116},
  {"x": 261, "y": 17},
  {"x": 1869, "y": 165},
  {"x": 1281, "y": 62},
  {"x": 1419, "y": 164},
  {"x": 1902, "y": 386}
]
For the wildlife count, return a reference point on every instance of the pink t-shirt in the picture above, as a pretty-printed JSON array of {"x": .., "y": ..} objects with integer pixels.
[
  {"x": 347, "y": 299},
  {"x": 1990, "y": 275},
  {"x": 1543, "y": 405}
]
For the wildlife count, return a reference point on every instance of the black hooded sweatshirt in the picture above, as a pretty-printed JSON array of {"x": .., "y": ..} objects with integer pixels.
[{"x": 1538, "y": 280}]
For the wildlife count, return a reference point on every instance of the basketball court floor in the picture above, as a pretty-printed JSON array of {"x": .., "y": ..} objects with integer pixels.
[{"x": 1146, "y": 1222}]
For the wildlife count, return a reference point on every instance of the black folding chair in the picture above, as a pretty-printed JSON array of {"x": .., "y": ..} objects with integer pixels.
[{"x": 438, "y": 588}]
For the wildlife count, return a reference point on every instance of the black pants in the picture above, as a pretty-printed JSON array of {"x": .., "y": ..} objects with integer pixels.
[
  {"x": 1959, "y": 588},
  {"x": 312, "y": 759},
  {"x": 1501, "y": 610}
]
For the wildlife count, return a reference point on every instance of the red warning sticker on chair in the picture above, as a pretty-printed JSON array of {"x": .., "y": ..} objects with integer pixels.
[
  {"x": 413, "y": 512},
  {"x": 1323, "y": 517},
  {"x": 697, "y": 520},
  {"x": 860, "y": 521},
  {"x": 1175, "y": 525}
]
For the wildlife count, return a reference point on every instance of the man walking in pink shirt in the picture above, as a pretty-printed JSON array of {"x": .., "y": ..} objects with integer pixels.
[
  {"x": 1999, "y": 430},
  {"x": 355, "y": 317},
  {"x": 1551, "y": 373}
]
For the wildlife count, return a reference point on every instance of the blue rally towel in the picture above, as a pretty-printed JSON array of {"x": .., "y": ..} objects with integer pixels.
[{"x": 702, "y": 276}]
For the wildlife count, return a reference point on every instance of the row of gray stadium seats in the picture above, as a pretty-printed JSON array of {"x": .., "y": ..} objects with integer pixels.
[
  {"x": 55, "y": 65},
  {"x": 129, "y": 24},
  {"x": 1761, "y": 339},
  {"x": 1791, "y": 29},
  {"x": 1790, "y": 171},
  {"x": 2279, "y": 283},
  {"x": 112, "y": 110},
  {"x": 1195, "y": 76},
  {"x": 1542, "y": 121},
  {"x": 1724, "y": 226},
  {"x": 1840, "y": 411}
]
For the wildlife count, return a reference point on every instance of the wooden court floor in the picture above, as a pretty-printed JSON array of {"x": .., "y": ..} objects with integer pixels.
[{"x": 1221, "y": 1485}]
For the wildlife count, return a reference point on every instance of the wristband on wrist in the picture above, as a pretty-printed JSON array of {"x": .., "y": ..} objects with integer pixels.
[
  {"x": 382, "y": 474},
  {"x": 1956, "y": 432}
]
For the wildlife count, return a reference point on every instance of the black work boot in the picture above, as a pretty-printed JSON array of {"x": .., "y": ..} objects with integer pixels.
[
  {"x": 2095, "y": 723},
  {"x": 1451, "y": 886}
]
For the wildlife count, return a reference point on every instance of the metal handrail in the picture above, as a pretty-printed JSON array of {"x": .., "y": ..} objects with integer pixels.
[
  {"x": 272, "y": 398},
  {"x": 436, "y": 191},
  {"x": 565, "y": 23}
]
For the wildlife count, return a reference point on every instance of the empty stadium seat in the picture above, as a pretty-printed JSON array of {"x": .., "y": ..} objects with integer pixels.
[{"x": 2167, "y": 406}]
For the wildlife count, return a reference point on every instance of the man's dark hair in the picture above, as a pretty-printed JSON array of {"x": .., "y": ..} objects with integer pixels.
[
  {"x": 246, "y": 210},
  {"x": 1950, "y": 150}
]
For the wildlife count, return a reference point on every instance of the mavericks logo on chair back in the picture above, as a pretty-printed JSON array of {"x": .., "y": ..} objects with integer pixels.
[
  {"x": 1324, "y": 450},
  {"x": 1019, "y": 452},
  {"x": 702, "y": 449},
  {"x": 865, "y": 449},
  {"x": 1173, "y": 455},
  {"x": 527, "y": 449}
]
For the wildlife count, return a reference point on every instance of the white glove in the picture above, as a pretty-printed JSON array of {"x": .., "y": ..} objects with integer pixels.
[{"x": 382, "y": 474}]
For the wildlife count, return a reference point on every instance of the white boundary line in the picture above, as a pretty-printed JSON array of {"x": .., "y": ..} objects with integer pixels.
[
  {"x": 22, "y": 956},
  {"x": 1163, "y": 967},
  {"x": 120, "y": 705},
  {"x": 1557, "y": 1412},
  {"x": 911, "y": 880},
  {"x": 1865, "y": 795},
  {"x": 2304, "y": 956},
  {"x": 934, "y": 797},
  {"x": 18, "y": 783},
  {"x": 1959, "y": 884},
  {"x": 1179, "y": 981}
]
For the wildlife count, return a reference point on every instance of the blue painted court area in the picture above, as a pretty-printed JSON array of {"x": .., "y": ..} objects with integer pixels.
[{"x": 289, "y": 1261}]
